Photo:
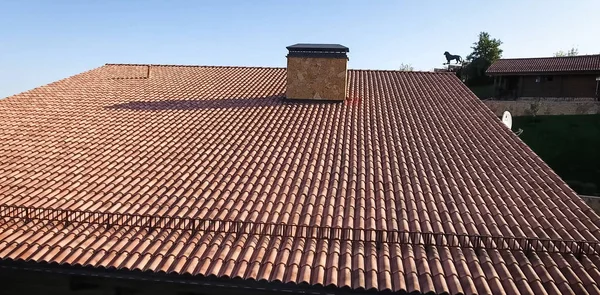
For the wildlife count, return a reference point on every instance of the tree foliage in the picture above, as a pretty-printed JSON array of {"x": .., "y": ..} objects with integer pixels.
[
  {"x": 486, "y": 48},
  {"x": 485, "y": 51},
  {"x": 571, "y": 52},
  {"x": 406, "y": 67}
]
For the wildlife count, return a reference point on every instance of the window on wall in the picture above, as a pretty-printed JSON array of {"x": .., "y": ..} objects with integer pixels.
[{"x": 538, "y": 79}]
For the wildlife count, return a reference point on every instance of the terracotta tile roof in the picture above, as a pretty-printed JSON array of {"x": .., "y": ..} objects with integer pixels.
[
  {"x": 580, "y": 63},
  {"x": 208, "y": 171}
]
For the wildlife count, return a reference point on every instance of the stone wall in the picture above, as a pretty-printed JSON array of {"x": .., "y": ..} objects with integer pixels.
[
  {"x": 593, "y": 202},
  {"x": 316, "y": 78},
  {"x": 544, "y": 107}
]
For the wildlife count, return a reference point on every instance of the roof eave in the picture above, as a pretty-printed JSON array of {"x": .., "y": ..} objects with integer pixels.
[
  {"x": 533, "y": 73},
  {"x": 179, "y": 279}
]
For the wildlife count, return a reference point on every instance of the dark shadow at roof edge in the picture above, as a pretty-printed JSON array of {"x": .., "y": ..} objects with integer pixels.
[{"x": 205, "y": 104}]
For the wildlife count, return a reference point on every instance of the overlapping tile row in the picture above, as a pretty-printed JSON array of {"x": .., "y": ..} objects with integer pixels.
[
  {"x": 580, "y": 63},
  {"x": 406, "y": 152}
]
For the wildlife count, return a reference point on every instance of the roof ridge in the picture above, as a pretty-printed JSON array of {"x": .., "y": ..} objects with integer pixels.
[
  {"x": 399, "y": 71},
  {"x": 546, "y": 57},
  {"x": 191, "y": 66},
  {"x": 261, "y": 67}
]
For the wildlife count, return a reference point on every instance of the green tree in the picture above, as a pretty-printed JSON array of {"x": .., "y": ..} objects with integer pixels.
[
  {"x": 406, "y": 67},
  {"x": 485, "y": 51},
  {"x": 571, "y": 52},
  {"x": 486, "y": 48}
]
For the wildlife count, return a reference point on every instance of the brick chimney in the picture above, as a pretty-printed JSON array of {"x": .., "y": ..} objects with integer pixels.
[{"x": 317, "y": 71}]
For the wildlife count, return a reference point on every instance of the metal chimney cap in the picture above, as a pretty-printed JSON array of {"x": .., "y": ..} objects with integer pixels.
[
  {"x": 318, "y": 50},
  {"x": 311, "y": 47}
]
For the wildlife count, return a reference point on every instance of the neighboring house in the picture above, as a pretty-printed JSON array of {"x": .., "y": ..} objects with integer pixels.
[
  {"x": 156, "y": 179},
  {"x": 569, "y": 77}
]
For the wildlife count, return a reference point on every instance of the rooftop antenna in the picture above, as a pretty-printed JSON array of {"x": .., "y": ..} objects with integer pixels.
[
  {"x": 507, "y": 119},
  {"x": 519, "y": 132}
]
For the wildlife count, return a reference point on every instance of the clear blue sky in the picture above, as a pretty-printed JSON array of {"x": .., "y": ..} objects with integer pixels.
[{"x": 43, "y": 41}]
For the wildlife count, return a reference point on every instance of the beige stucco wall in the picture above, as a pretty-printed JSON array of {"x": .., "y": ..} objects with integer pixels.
[
  {"x": 316, "y": 78},
  {"x": 546, "y": 107}
]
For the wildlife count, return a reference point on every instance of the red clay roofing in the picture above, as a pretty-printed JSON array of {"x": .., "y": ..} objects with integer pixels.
[
  {"x": 190, "y": 145},
  {"x": 580, "y": 63}
]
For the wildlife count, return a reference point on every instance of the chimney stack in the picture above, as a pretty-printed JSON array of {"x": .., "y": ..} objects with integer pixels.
[{"x": 317, "y": 71}]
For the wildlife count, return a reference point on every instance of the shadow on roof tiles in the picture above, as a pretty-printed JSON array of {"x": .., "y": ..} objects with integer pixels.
[{"x": 202, "y": 104}]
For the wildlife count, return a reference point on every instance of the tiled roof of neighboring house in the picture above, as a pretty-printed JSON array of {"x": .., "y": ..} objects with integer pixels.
[
  {"x": 408, "y": 152},
  {"x": 580, "y": 63}
]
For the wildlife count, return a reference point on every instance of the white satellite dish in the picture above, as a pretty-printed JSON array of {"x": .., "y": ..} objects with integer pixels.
[{"x": 507, "y": 119}]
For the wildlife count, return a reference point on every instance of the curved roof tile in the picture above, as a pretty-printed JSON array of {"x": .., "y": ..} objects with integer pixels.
[{"x": 410, "y": 152}]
